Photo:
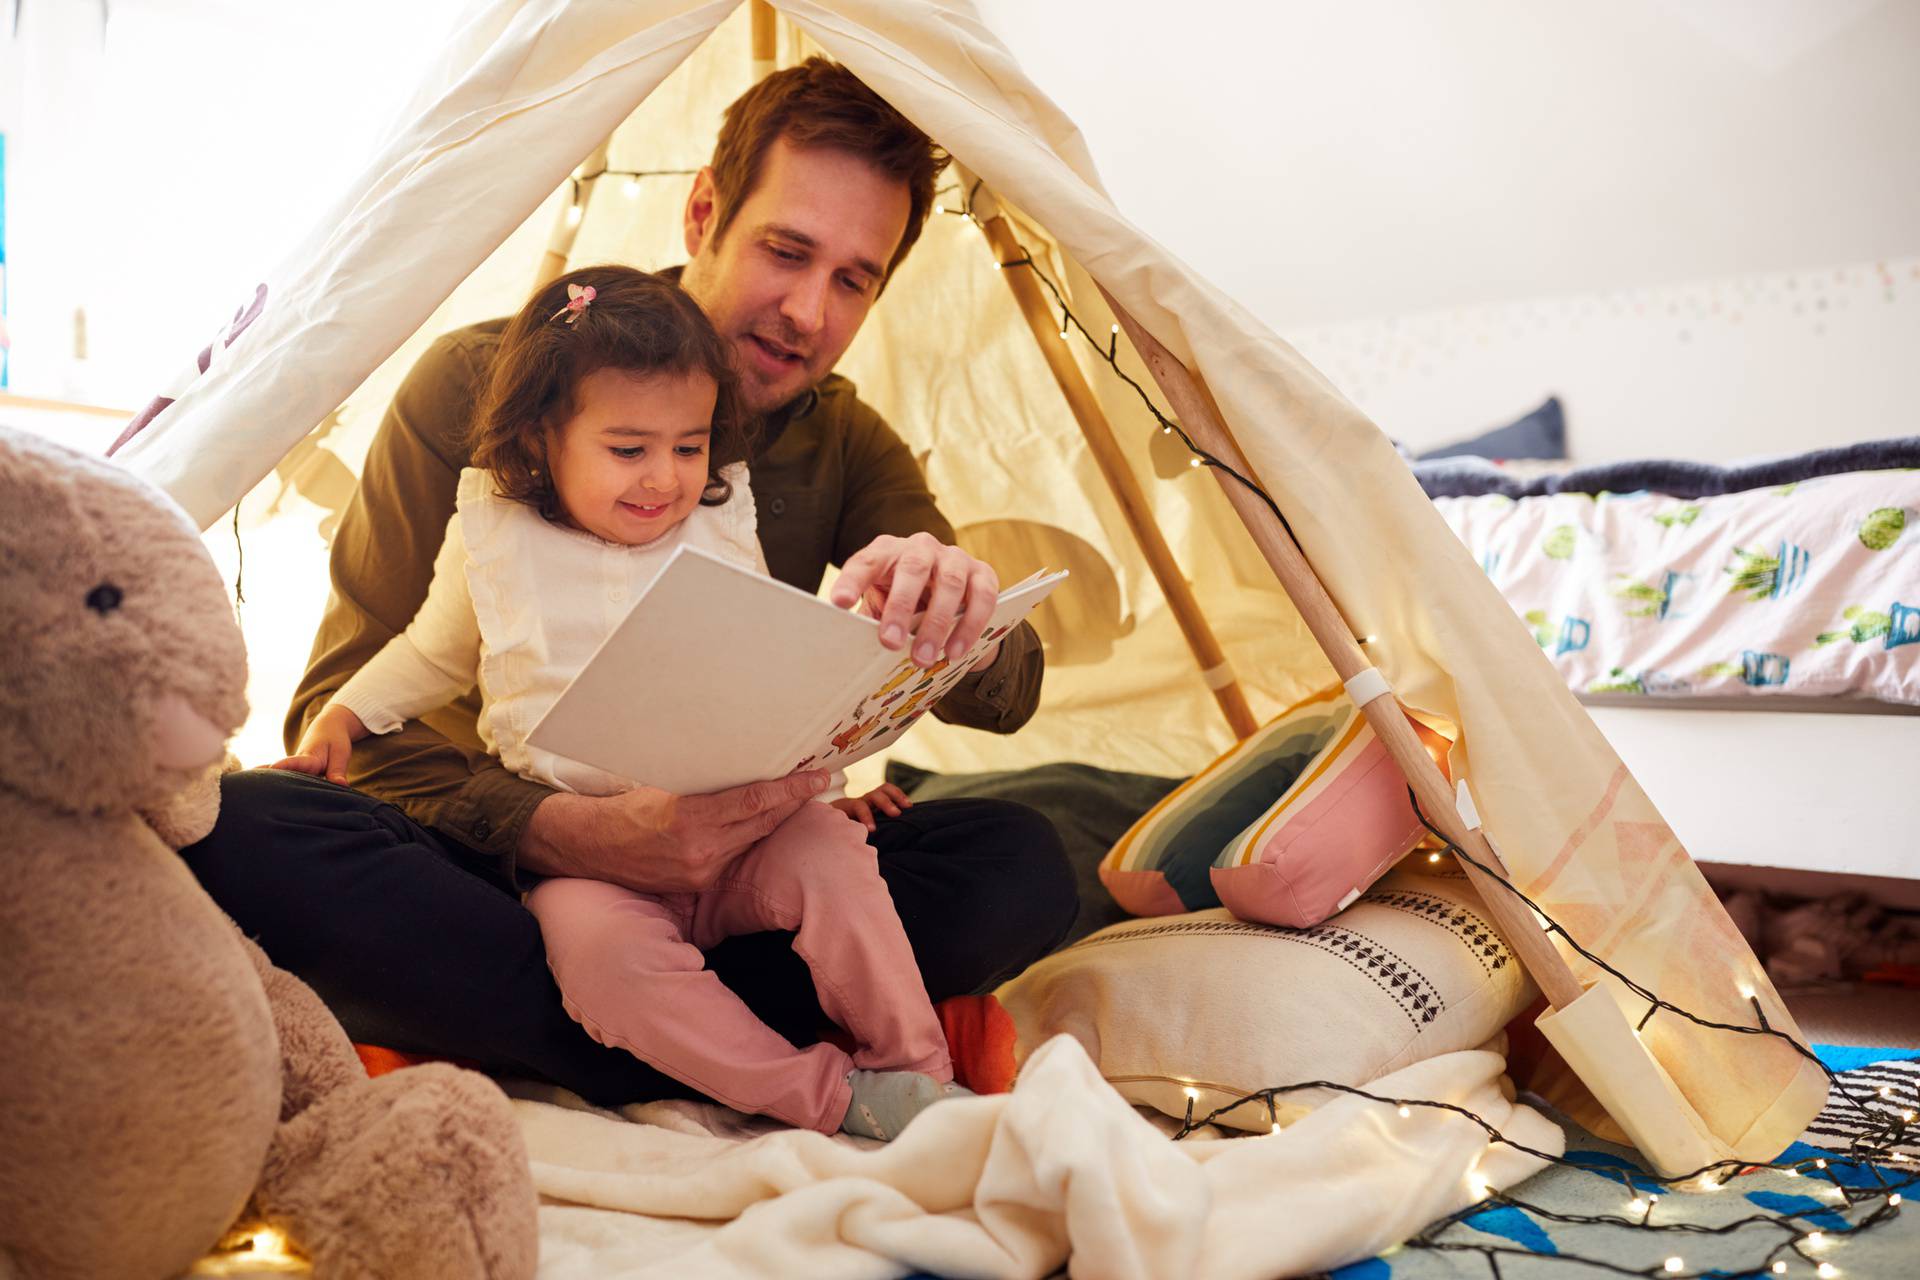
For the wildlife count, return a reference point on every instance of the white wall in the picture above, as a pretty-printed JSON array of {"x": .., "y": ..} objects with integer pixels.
[
  {"x": 156, "y": 165},
  {"x": 1490, "y": 170}
]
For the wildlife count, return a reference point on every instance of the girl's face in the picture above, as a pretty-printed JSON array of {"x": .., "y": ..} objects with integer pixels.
[{"x": 631, "y": 463}]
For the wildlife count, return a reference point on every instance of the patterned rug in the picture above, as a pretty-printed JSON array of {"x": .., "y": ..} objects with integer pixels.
[{"x": 1538, "y": 1242}]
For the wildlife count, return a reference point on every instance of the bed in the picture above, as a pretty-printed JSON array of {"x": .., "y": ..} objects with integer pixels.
[{"x": 1747, "y": 637}]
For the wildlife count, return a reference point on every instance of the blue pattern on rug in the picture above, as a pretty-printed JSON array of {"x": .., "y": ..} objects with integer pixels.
[{"x": 1511, "y": 1224}]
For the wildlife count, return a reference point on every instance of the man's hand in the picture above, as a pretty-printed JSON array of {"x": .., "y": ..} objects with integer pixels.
[
  {"x": 655, "y": 842},
  {"x": 898, "y": 577}
]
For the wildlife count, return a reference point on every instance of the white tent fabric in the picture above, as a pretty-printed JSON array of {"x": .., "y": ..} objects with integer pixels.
[{"x": 529, "y": 87}]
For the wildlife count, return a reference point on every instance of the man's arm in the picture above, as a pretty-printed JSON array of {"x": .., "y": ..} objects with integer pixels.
[
  {"x": 886, "y": 494},
  {"x": 382, "y": 563}
]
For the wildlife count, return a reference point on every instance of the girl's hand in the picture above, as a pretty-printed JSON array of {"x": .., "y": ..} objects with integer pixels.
[
  {"x": 327, "y": 745},
  {"x": 887, "y": 798}
]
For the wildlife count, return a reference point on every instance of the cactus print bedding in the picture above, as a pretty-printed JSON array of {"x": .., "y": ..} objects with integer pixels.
[{"x": 1809, "y": 588}]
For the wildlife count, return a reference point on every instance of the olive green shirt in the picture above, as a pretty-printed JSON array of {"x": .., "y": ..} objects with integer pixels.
[{"x": 829, "y": 476}]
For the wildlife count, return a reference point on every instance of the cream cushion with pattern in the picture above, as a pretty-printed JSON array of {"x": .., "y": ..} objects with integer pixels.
[{"x": 1225, "y": 1007}]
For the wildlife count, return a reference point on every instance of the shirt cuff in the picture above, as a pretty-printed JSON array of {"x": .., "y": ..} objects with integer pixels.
[
  {"x": 1005, "y": 695},
  {"x": 488, "y": 815}
]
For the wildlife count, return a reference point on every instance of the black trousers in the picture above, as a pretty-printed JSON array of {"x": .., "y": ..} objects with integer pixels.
[{"x": 412, "y": 947}]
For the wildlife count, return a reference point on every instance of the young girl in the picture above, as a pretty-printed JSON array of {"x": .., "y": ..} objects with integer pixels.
[{"x": 610, "y": 435}]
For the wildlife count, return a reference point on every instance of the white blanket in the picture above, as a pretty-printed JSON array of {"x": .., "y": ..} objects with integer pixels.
[{"x": 1060, "y": 1172}]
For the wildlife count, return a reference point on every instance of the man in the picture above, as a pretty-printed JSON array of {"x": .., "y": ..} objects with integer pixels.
[{"x": 399, "y": 905}]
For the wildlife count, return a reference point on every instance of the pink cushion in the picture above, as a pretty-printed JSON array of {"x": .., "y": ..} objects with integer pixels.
[
  {"x": 1338, "y": 829},
  {"x": 1285, "y": 828}
]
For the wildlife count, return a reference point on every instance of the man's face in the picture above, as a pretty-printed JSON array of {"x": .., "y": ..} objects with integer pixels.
[{"x": 799, "y": 266}]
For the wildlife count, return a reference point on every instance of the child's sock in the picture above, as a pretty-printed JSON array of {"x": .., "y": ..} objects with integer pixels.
[{"x": 884, "y": 1101}]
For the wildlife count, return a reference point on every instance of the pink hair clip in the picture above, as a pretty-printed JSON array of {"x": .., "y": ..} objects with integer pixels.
[{"x": 578, "y": 296}]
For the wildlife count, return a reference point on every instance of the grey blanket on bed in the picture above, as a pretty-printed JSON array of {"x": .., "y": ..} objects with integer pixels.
[{"x": 1472, "y": 477}]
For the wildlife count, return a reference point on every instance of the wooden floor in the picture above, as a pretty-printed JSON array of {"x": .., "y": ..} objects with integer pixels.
[{"x": 1852, "y": 1013}]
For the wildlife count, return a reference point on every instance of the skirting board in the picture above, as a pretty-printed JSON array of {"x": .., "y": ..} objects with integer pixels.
[{"x": 1802, "y": 791}]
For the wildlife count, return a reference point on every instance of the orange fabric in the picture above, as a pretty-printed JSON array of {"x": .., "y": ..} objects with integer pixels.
[
  {"x": 980, "y": 1040},
  {"x": 379, "y": 1060}
]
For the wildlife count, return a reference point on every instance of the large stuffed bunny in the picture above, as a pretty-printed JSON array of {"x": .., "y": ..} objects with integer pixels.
[{"x": 157, "y": 1074}]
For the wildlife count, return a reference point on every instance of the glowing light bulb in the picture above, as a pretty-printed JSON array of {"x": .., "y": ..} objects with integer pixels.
[
  {"x": 1674, "y": 1263},
  {"x": 632, "y": 188},
  {"x": 1433, "y": 857},
  {"x": 1746, "y": 992},
  {"x": 1826, "y": 1271},
  {"x": 1638, "y": 1205},
  {"x": 1907, "y": 1116},
  {"x": 1792, "y": 1173},
  {"x": 1819, "y": 1164},
  {"x": 1894, "y": 1199},
  {"x": 1816, "y": 1238},
  {"x": 1779, "y": 1268},
  {"x": 573, "y": 215},
  {"x": 1886, "y": 1091},
  {"x": 1405, "y": 1112},
  {"x": 1113, "y": 329},
  {"x": 1196, "y": 462},
  {"x": 1166, "y": 431},
  {"x": 1063, "y": 333},
  {"x": 1193, "y": 1094}
]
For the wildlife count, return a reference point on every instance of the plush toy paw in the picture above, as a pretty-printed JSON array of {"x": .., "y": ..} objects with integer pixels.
[{"x": 422, "y": 1174}]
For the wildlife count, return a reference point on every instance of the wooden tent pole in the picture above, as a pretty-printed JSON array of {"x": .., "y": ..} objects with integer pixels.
[
  {"x": 1214, "y": 667},
  {"x": 1200, "y": 418},
  {"x": 766, "y": 41},
  {"x": 553, "y": 263}
]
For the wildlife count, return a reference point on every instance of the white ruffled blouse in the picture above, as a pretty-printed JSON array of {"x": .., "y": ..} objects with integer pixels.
[{"x": 519, "y": 604}]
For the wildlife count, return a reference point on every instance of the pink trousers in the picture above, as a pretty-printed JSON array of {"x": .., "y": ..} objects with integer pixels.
[{"x": 630, "y": 971}]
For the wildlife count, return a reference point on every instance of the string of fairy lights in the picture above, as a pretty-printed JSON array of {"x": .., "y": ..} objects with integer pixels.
[
  {"x": 1109, "y": 354},
  {"x": 1801, "y": 1238},
  {"x": 580, "y": 184}
]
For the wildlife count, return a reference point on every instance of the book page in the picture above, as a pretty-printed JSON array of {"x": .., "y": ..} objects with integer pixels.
[
  {"x": 904, "y": 692},
  {"x": 711, "y": 679},
  {"x": 719, "y": 676}
]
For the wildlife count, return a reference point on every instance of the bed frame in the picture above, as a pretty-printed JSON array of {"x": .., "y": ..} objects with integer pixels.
[{"x": 1810, "y": 796}]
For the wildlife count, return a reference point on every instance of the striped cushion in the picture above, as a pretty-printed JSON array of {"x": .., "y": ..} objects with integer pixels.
[{"x": 1286, "y": 828}]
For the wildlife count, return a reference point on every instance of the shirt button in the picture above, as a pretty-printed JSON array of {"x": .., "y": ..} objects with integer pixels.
[
  {"x": 778, "y": 506},
  {"x": 482, "y": 829},
  {"x": 616, "y": 594}
]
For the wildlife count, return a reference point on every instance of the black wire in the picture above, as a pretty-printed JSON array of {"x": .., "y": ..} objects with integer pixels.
[
  {"x": 1111, "y": 356},
  {"x": 1893, "y": 1126},
  {"x": 240, "y": 561}
]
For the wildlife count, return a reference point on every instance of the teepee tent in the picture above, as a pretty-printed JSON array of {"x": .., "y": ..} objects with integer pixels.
[{"x": 487, "y": 176}]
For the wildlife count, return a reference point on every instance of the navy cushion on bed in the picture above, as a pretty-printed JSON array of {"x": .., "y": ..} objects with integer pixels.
[{"x": 1541, "y": 434}]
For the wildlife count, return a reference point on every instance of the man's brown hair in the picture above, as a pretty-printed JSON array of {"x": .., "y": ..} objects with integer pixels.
[
  {"x": 822, "y": 104},
  {"x": 637, "y": 323}
]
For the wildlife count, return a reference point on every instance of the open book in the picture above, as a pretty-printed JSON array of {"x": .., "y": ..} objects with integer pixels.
[{"x": 719, "y": 676}]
